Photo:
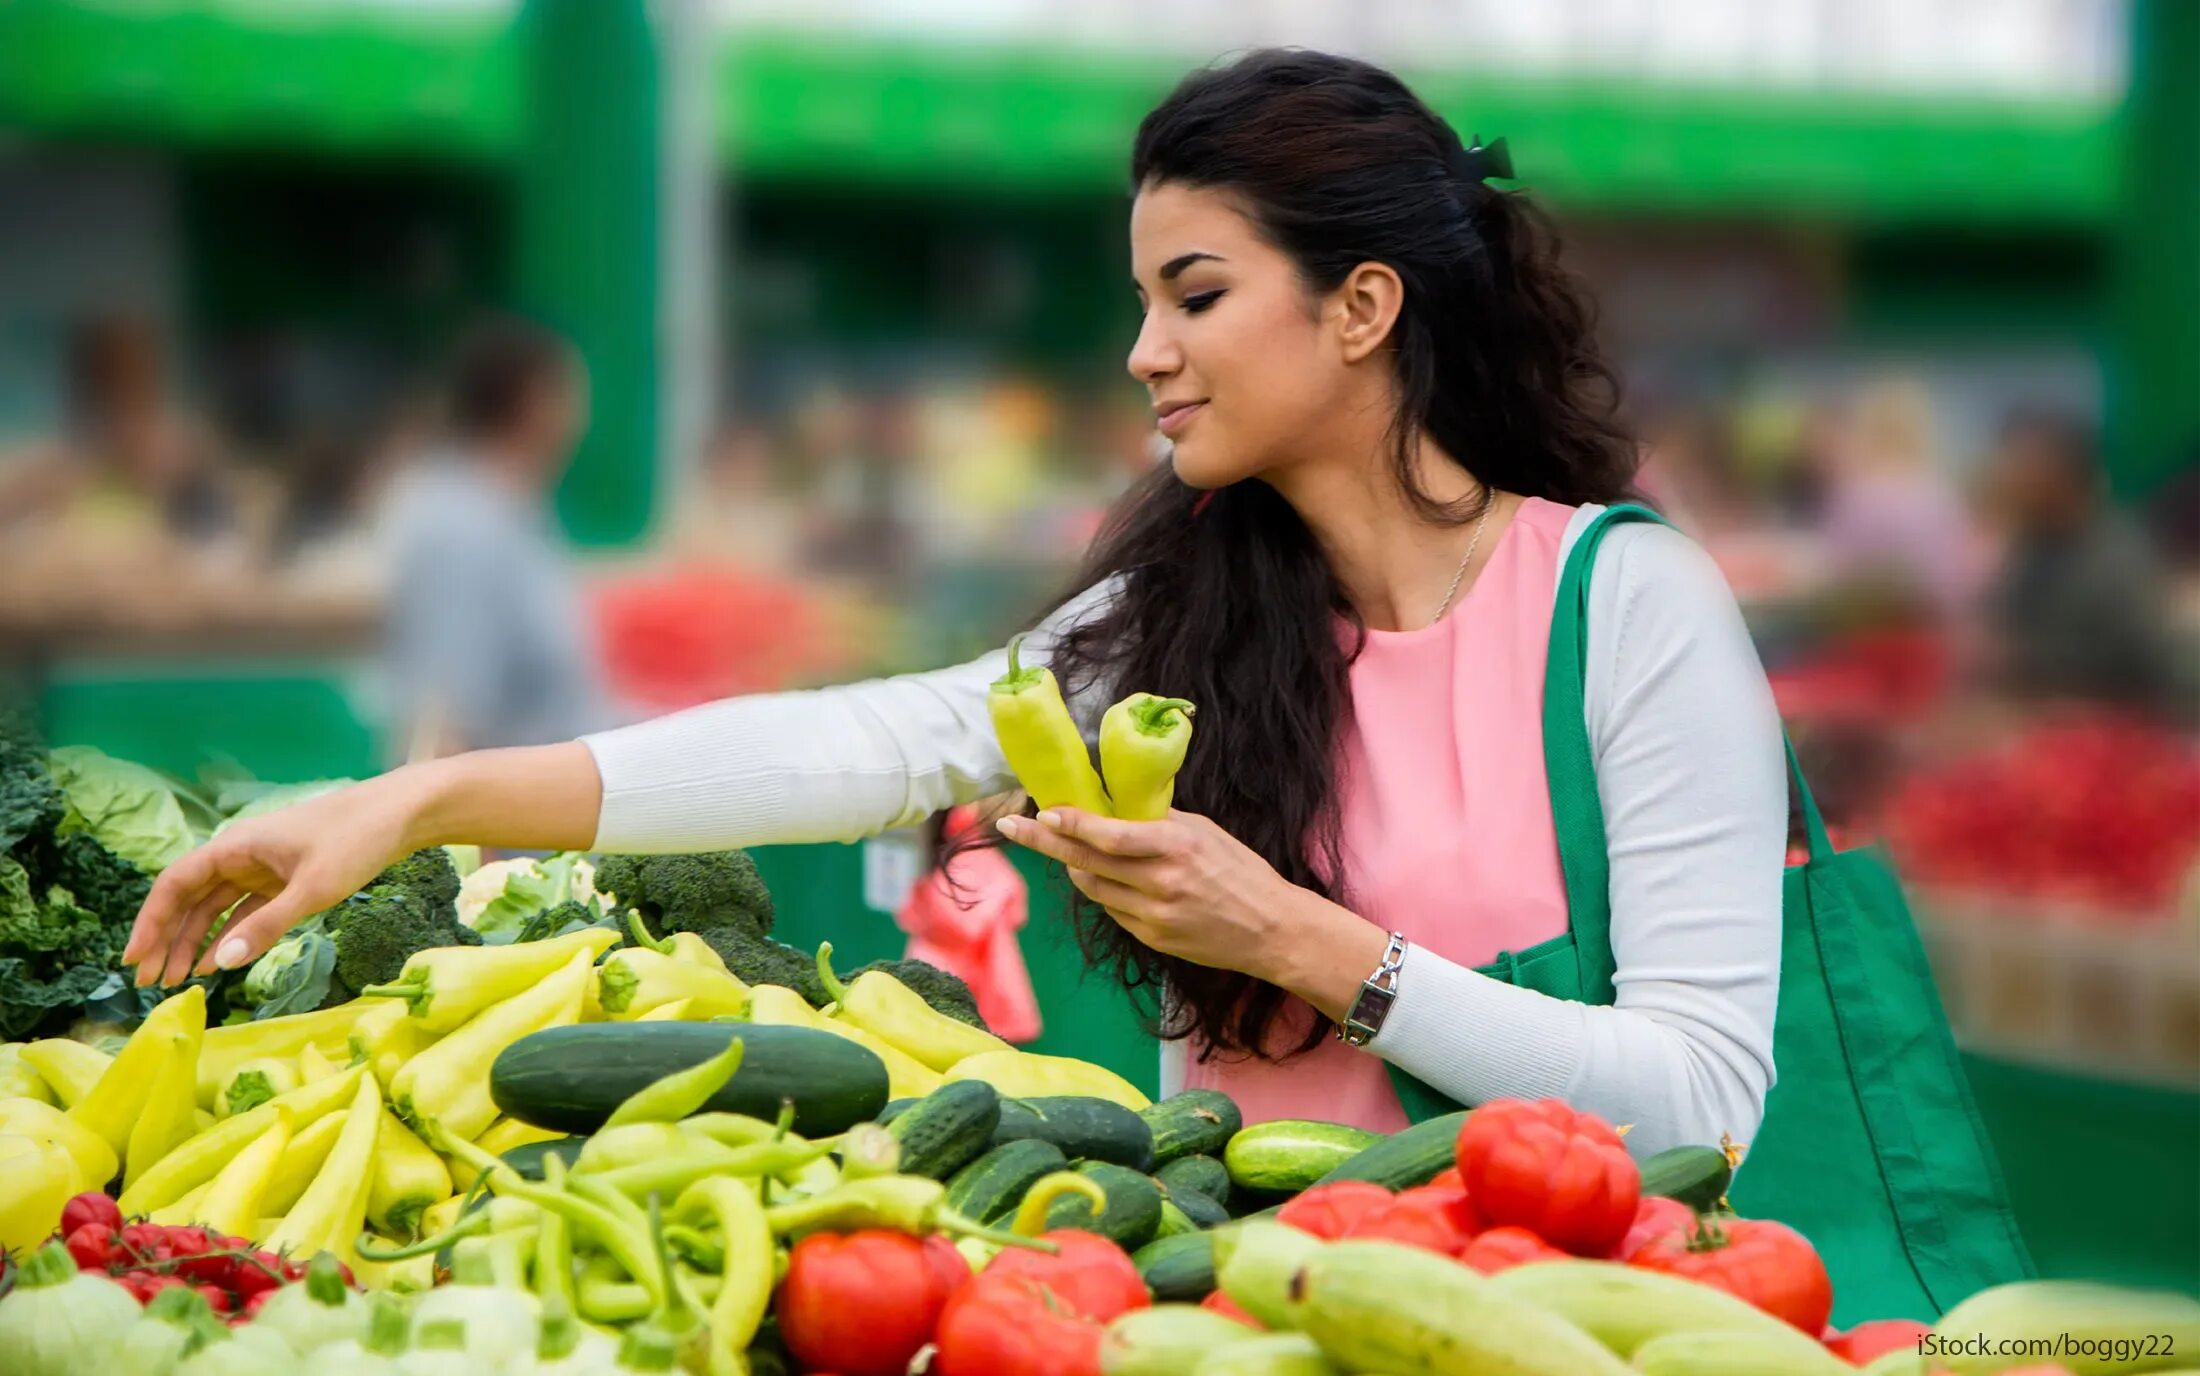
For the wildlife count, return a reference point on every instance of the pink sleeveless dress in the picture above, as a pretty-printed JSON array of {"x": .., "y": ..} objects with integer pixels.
[{"x": 1447, "y": 815}]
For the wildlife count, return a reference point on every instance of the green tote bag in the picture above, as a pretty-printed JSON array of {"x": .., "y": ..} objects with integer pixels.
[{"x": 1870, "y": 1146}]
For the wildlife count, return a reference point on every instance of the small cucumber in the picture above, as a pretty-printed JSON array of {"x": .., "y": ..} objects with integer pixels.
[
  {"x": 1289, "y": 1154},
  {"x": 895, "y": 1108},
  {"x": 1625, "y": 1307},
  {"x": 1165, "y": 1340},
  {"x": 1269, "y": 1354},
  {"x": 527, "y": 1157},
  {"x": 1202, "y": 1211},
  {"x": 1133, "y": 1212},
  {"x": 1202, "y": 1174},
  {"x": 1696, "y": 1176},
  {"x": 947, "y": 1129},
  {"x": 1404, "y": 1159},
  {"x": 1196, "y": 1122},
  {"x": 990, "y": 1188},
  {"x": 1379, "y": 1306},
  {"x": 1178, "y": 1268},
  {"x": 1084, "y": 1128},
  {"x": 1174, "y": 1221},
  {"x": 1254, "y": 1263},
  {"x": 1737, "y": 1354}
]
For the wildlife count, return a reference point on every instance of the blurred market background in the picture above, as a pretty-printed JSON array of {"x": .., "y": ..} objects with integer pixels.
[{"x": 829, "y": 311}]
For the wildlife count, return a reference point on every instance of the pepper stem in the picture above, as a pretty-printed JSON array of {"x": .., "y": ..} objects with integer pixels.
[
  {"x": 640, "y": 934},
  {"x": 1151, "y": 716},
  {"x": 469, "y": 1225},
  {"x": 836, "y": 991},
  {"x": 1018, "y": 677},
  {"x": 414, "y": 992}
]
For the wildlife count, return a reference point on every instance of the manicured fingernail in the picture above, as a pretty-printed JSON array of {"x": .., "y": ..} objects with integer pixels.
[
  {"x": 1008, "y": 826},
  {"x": 232, "y": 954},
  {"x": 1050, "y": 818}
]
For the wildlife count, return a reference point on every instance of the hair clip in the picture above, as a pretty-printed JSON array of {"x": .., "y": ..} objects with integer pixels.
[{"x": 1477, "y": 161}]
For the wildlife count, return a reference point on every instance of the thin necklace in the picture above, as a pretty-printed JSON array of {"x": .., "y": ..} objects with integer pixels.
[{"x": 1472, "y": 543}]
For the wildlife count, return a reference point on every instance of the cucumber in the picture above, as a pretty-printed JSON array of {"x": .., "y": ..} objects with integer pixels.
[
  {"x": 1379, "y": 1306},
  {"x": 1290, "y": 1154},
  {"x": 527, "y": 1157},
  {"x": 895, "y": 1108},
  {"x": 1267, "y": 1354},
  {"x": 1404, "y": 1159},
  {"x": 1174, "y": 1221},
  {"x": 990, "y": 1188},
  {"x": 1084, "y": 1128},
  {"x": 569, "y": 1079},
  {"x": 1696, "y": 1176},
  {"x": 947, "y": 1129},
  {"x": 1165, "y": 1340},
  {"x": 1198, "y": 1122},
  {"x": 1178, "y": 1268},
  {"x": 1200, "y": 1174},
  {"x": 1626, "y": 1307},
  {"x": 1202, "y": 1211},
  {"x": 1133, "y": 1212},
  {"x": 1737, "y": 1354}
]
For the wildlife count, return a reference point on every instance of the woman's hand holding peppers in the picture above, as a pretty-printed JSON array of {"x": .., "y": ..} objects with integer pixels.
[{"x": 1187, "y": 888}]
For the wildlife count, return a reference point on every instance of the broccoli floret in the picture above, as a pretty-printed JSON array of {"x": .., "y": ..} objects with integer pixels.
[
  {"x": 411, "y": 906},
  {"x": 560, "y": 918},
  {"x": 761, "y": 960},
  {"x": 944, "y": 990},
  {"x": 711, "y": 893}
]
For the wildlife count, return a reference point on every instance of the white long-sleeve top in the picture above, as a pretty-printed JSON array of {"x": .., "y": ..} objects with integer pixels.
[{"x": 1689, "y": 770}]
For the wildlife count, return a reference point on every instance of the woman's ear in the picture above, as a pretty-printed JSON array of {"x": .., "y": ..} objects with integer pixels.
[{"x": 1364, "y": 308}]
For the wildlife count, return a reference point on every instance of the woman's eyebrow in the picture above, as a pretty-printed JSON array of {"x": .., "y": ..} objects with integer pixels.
[{"x": 1176, "y": 265}]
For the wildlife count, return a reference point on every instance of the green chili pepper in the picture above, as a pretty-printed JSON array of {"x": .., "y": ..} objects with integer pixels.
[
  {"x": 745, "y": 1289},
  {"x": 904, "y": 1203},
  {"x": 669, "y": 1177},
  {"x": 1142, "y": 743},
  {"x": 1041, "y": 740},
  {"x": 868, "y": 1150},
  {"x": 679, "y": 1094}
]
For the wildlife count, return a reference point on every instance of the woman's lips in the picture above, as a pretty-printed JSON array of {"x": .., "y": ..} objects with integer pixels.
[{"x": 1179, "y": 418}]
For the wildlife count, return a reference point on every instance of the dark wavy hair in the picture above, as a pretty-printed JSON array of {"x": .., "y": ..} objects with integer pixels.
[{"x": 1231, "y": 603}]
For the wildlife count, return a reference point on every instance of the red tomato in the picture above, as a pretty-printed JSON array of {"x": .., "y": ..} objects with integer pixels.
[
  {"x": 1449, "y": 1177},
  {"x": 1654, "y": 1216},
  {"x": 1869, "y": 1341},
  {"x": 1332, "y": 1211},
  {"x": 1433, "y": 1217},
  {"x": 90, "y": 1207},
  {"x": 1501, "y": 1249},
  {"x": 1767, "y": 1264},
  {"x": 864, "y": 1302},
  {"x": 1088, "y": 1274},
  {"x": 1566, "y": 1176}
]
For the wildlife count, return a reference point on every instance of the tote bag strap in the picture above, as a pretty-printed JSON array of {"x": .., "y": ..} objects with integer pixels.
[{"x": 1569, "y": 762}]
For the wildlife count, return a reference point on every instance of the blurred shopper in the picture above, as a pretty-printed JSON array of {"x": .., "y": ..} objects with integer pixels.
[
  {"x": 488, "y": 640},
  {"x": 738, "y": 512},
  {"x": 1891, "y": 517},
  {"x": 2078, "y": 609}
]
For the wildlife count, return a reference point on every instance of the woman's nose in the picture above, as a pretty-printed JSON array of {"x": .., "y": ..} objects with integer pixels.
[{"x": 1153, "y": 356}]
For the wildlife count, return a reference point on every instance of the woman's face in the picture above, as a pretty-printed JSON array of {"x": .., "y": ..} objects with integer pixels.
[{"x": 1229, "y": 327}]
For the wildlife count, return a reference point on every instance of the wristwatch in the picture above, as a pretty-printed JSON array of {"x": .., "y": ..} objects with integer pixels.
[{"x": 1377, "y": 992}]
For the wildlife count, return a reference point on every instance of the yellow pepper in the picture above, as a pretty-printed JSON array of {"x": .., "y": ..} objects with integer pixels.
[
  {"x": 302, "y": 1160},
  {"x": 636, "y": 980},
  {"x": 115, "y": 1104},
  {"x": 330, "y": 1214},
  {"x": 225, "y": 1048},
  {"x": 893, "y": 1012},
  {"x": 449, "y": 1082},
  {"x": 184, "y": 1210},
  {"x": 49, "y": 1126},
  {"x": 408, "y": 1275},
  {"x": 313, "y": 1064},
  {"x": 201, "y": 1159},
  {"x": 385, "y": 1037},
  {"x": 168, "y": 1118},
  {"x": 745, "y": 1292},
  {"x": 18, "y": 1080},
  {"x": 1142, "y": 743},
  {"x": 408, "y": 1177},
  {"x": 40, "y": 1180},
  {"x": 253, "y": 1083},
  {"x": 1026, "y": 1075},
  {"x": 685, "y": 946},
  {"x": 234, "y": 1198},
  {"x": 1041, "y": 740},
  {"x": 777, "y": 1006},
  {"x": 507, "y": 1133},
  {"x": 675, "y": 1011},
  {"x": 446, "y": 986},
  {"x": 70, "y": 1068}
]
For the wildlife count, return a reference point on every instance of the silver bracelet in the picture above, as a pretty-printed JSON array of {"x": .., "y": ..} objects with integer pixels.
[{"x": 1377, "y": 993}]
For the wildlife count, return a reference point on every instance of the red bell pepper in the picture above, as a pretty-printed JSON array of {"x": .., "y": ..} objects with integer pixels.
[
  {"x": 1767, "y": 1264},
  {"x": 1091, "y": 1276},
  {"x": 863, "y": 1303},
  {"x": 1450, "y": 1176},
  {"x": 1012, "y": 1325},
  {"x": 1332, "y": 1211},
  {"x": 1868, "y": 1342},
  {"x": 1543, "y": 1166},
  {"x": 1501, "y": 1249},
  {"x": 1433, "y": 1217}
]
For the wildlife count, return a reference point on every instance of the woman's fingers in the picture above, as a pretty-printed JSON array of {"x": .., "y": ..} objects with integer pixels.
[
  {"x": 183, "y": 947},
  {"x": 1074, "y": 854},
  {"x": 260, "y": 922},
  {"x": 1131, "y": 840},
  {"x": 178, "y": 888},
  {"x": 1109, "y": 893}
]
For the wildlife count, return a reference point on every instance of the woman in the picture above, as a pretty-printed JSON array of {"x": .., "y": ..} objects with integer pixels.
[{"x": 1390, "y": 421}]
